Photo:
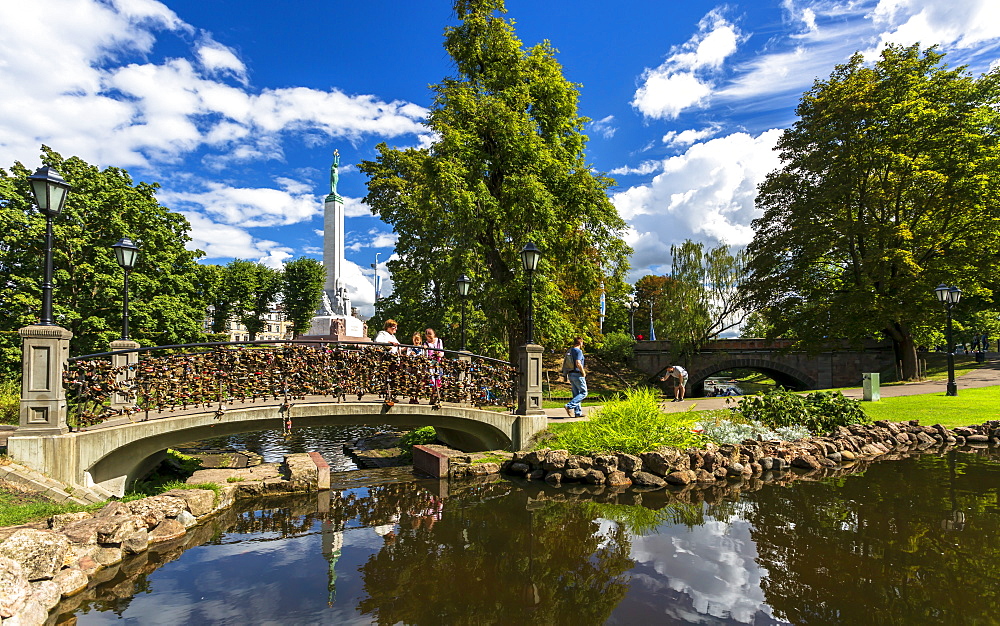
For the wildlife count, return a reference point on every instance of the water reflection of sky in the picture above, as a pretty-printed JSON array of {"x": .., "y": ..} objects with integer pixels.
[
  {"x": 707, "y": 574},
  {"x": 234, "y": 583}
]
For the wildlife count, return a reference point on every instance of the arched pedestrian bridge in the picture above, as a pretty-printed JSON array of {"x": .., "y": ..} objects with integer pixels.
[
  {"x": 837, "y": 366},
  {"x": 108, "y": 419}
]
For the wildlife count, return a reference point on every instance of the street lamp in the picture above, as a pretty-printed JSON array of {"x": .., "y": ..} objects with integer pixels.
[
  {"x": 632, "y": 307},
  {"x": 463, "y": 284},
  {"x": 949, "y": 297},
  {"x": 50, "y": 191},
  {"x": 530, "y": 255},
  {"x": 126, "y": 252}
]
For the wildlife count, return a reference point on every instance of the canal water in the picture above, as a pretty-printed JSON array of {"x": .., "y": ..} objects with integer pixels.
[{"x": 911, "y": 541}]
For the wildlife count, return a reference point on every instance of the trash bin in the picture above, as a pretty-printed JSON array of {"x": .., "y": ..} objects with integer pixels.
[
  {"x": 980, "y": 357},
  {"x": 870, "y": 387}
]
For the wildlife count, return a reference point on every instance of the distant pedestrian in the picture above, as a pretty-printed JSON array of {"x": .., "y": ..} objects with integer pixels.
[
  {"x": 678, "y": 372},
  {"x": 434, "y": 348},
  {"x": 577, "y": 375}
]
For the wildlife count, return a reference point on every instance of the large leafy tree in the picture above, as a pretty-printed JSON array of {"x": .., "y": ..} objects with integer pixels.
[
  {"x": 303, "y": 291},
  {"x": 888, "y": 187},
  {"x": 165, "y": 304},
  {"x": 506, "y": 168}
]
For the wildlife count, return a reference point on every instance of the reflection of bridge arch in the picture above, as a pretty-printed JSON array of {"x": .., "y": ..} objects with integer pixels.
[
  {"x": 782, "y": 374},
  {"x": 113, "y": 456}
]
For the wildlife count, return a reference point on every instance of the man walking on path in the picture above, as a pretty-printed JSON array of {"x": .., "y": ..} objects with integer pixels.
[
  {"x": 577, "y": 378},
  {"x": 678, "y": 372}
]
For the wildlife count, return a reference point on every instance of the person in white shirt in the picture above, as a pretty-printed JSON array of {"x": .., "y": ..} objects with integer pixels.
[
  {"x": 678, "y": 372},
  {"x": 388, "y": 335}
]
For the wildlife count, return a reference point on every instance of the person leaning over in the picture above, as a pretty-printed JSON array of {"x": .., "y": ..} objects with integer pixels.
[
  {"x": 678, "y": 372},
  {"x": 577, "y": 376}
]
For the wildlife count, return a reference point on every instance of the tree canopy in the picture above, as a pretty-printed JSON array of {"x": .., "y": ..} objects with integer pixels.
[
  {"x": 888, "y": 187},
  {"x": 303, "y": 291},
  {"x": 165, "y": 305},
  {"x": 507, "y": 167}
]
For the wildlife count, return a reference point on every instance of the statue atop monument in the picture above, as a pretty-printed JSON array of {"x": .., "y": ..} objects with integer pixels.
[{"x": 334, "y": 177}]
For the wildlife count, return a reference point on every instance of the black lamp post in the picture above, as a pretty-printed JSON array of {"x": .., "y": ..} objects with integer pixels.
[
  {"x": 50, "y": 191},
  {"x": 463, "y": 284},
  {"x": 126, "y": 253},
  {"x": 530, "y": 255},
  {"x": 632, "y": 307},
  {"x": 949, "y": 297}
]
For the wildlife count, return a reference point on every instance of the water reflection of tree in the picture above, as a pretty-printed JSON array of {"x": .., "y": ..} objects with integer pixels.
[
  {"x": 875, "y": 550},
  {"x": 488, "y": 562}
]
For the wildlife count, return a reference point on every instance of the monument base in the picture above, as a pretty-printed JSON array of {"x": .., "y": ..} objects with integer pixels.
[{"x": 337, "y": 328}]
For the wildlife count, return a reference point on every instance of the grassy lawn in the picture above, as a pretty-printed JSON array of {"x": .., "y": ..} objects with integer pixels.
[
  {"x": 18, "y": 506},
  {"x": 970, "y": 406}
]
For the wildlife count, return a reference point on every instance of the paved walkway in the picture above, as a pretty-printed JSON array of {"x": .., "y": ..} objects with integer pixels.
[{"x": 985, "y": 376}]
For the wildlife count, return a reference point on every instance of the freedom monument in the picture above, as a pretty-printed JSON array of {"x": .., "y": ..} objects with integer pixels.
[{"x": 335, "y": 318}]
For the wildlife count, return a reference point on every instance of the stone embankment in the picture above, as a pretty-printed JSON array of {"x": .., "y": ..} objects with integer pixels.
[
  {"x": 669, "y": 466},
  {"x": 44, "y": 562}
]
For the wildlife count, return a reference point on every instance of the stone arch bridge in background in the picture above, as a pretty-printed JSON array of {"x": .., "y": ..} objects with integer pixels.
[{"x": 836, "y": 366}]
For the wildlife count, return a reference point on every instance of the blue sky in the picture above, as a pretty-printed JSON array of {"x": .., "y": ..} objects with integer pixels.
[{"x": 235, "y": 106}]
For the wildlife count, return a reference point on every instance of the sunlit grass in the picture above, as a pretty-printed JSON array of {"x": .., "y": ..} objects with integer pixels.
[{"x": 970, "y": 406}]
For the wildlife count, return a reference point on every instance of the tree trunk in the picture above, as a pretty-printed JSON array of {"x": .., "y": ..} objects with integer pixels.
[{"x": 905, "y": 349}]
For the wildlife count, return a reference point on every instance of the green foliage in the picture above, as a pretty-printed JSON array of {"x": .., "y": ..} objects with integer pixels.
[
  {"x": 507, "y": 168},
  {"x": 303, "y": 291},
  {"x": 819, "y": 412},
  {"x": 166, "y": 303},
  {"x": 14, "y": 511},
  {"x": 632, "y": 424},
  {"x": 10, "y": 402},
  {"x": 617, "y": 346},
  {"x": 418, "y": 437},
  {"x": 640, "y": 520},
  {"x": 887, "y": 188},
  {"x": 251, "y": 288}
]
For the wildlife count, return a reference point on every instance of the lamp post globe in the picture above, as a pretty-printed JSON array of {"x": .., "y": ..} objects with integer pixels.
[
  {"x": 463, "y": 283},
  {"x": 126, "y": 253},
  {"x": 50, "y": 191},
  {"x": 530, "y": 255}
]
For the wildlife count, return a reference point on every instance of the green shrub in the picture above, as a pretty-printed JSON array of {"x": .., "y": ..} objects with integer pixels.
[
  {"x": 617, "y": 346},
  {"x": 632, "y": 424},
  {"x": 10, "y": 402},
  {"x": 820, "y": 412},
  {"x": 418, "y": 437}
]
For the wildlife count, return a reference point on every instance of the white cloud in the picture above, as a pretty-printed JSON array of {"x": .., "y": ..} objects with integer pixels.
[
  {"x": 354, "y": 207},
  {"x": 646, "y": 167},
  {"x": 604, "y": 127},
  {"x": 140, "y": 112},
  {"x": 220, "y": 60},
  {"x": 685, "y": 79},
  {"x": 959, "y": 23},
  {"x": 246, "y": 207},
  {"x": 220, "y": 241},
  {"x": 705, "y": 194},
  {"x": 689, "y": 136},
  {"x": 376, "y": 239}
]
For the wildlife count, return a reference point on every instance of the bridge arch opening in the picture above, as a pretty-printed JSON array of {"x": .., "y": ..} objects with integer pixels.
[
  {"x": 118, "y": 459},
  {"x": 783, "y": 376}
]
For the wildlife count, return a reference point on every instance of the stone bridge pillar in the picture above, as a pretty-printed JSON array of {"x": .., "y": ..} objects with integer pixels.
[
  {"x": 45, "y": 354},
  {"x": 529, "y": 380},
  {"x": 122, "y": 400}
]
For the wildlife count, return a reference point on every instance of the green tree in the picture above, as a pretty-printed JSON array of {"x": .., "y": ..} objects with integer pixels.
[
  {"x": 165, "y": 305},
  {"x": 507, "y": 168},
  {"x": 303, "y": 291},
  {"x": 251, "y": 289},
  {"x": 698, "y": 301},
  {"x": 888, "y": 187}
]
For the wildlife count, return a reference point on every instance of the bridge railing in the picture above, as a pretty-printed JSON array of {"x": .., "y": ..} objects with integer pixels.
[{"x": 208, "y": 375}]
